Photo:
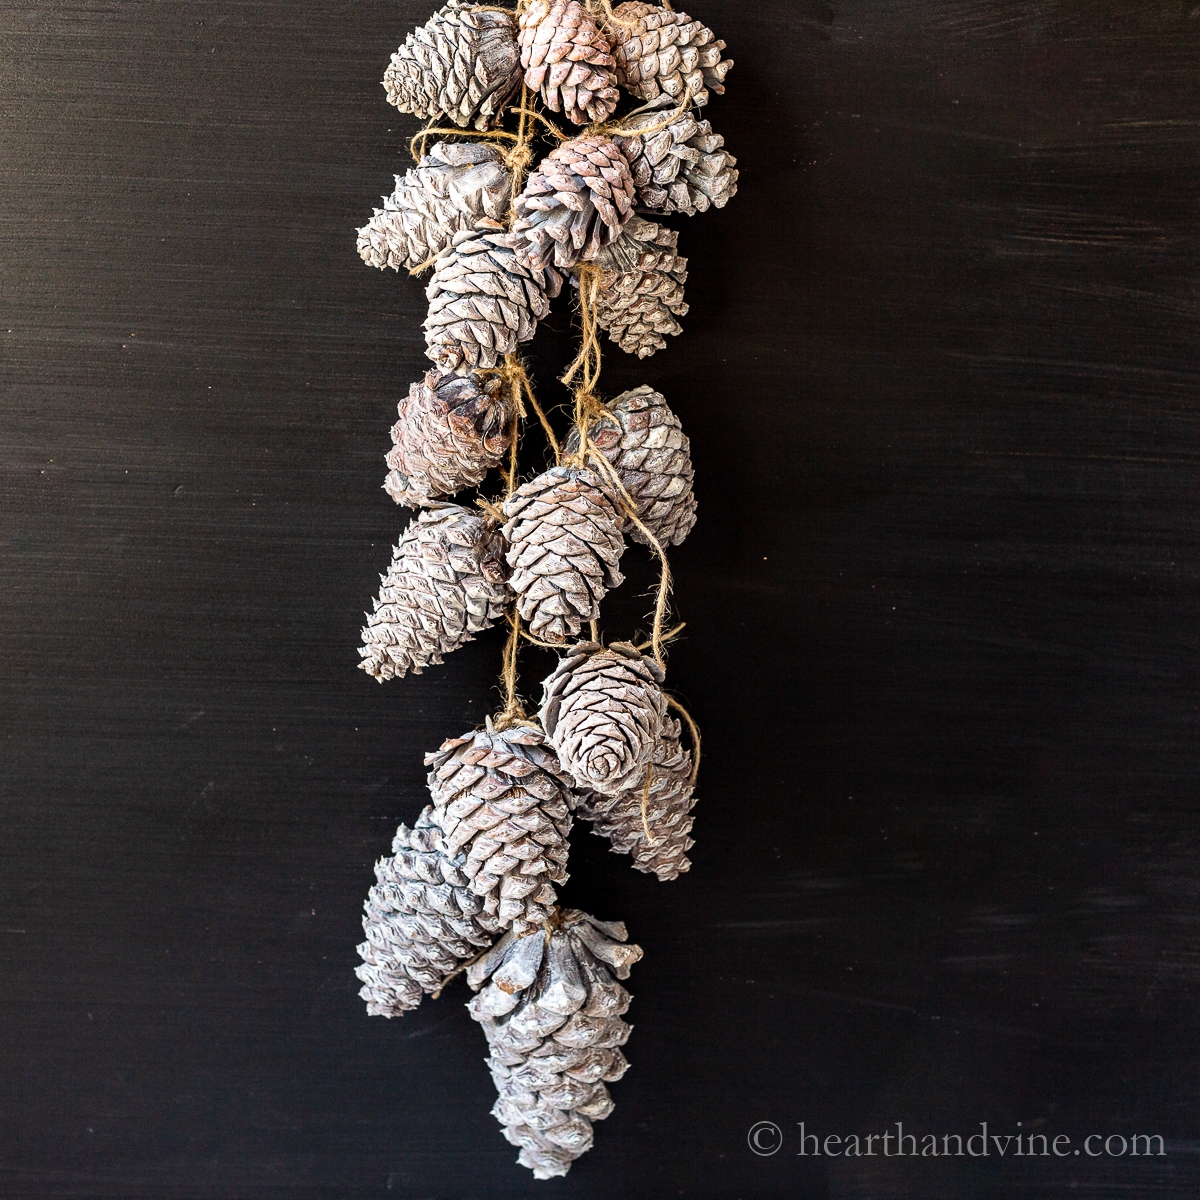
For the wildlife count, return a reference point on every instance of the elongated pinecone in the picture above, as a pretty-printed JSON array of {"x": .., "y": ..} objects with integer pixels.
[
  {"x": 421, "y": 920},
  {"x": 501, "y": 798},
  {"x": 564, "y": 538},
  {"x": 569, "y": 60},
  {"x": 682, "y": 168},
  {"x": 453, "y": 186},
  {"x": 603, "y": 710},
  {"x": 463, "y": 63},
  {"x": 446, "y": 584},
  {"x": 659, "y": 51},
  {"x": 574, "y": 204},
  {"x": 551, "y": 1011},
  {"x": 452, "y": 430},
  {"x": 645, "y": 442},
  {"x": 668, "y": 812},
  {"x": 482, "y": 301}
]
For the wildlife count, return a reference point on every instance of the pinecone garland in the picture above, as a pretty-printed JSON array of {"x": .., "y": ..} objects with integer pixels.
[
  {"x": 452, "y": 430},
  {"x": 603, "y": 711},
  {"x": 501, "y": 798},
  {"x": 551, "y": 1011},
  {"x": 569, "y": 60},
  {"x": 421, "y": 920},
  {"x": 463, "y": 63},
  {"x": 453, "y": 186},
  {"x": 564, "y": 538},
  {"x": 574, "y": 204},
  {"x": 659, "y": 51},
  {"x": 446, "y": 584},
  {"x": 645, "y": 443},
  {"x": 482, "y": 301}
]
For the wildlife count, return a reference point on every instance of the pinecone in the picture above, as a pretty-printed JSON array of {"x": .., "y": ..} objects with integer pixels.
[
  {"x": 569, "y": 60},
  {"x": 681, "y": 168},
  {"x": 603, "y": 710},
  {"x": 463, "y": 63},
  {"x": 452, "y": 430},
  {"x": 446, "y": 584},
  {"x": 564, "y": 538},
  {"x": 422, "y": 920},
  {"x": 645, "y": 443},
  {"x": 482, "y": 301},
  {"x": 668, "y": 812},
  {"x": 501, "y": 798},
  {"x": 659, "y": 51},
  {"x": 551, "y": 1010},
  {"x": 574, "y": 204},
  {"x": 453, "y": 186}
]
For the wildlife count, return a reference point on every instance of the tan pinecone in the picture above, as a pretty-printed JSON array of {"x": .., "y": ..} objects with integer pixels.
[
  {"x": 482, "y": 301},
  {"x": 564, "y": 543},
  {"x": 453, "y": 186},
  {"x": 501, "y": 799},
  {"x": 569, "y": 60},
  {"x": 463, "y": 63},
  {"x": 574, "y": 204},
  {"x": 682, "y": 168},
  {"x": 422, "y": 920},
  {"x": 668, "y": 812},
  {"x": 603, "y": 710},
  {"x": 645, "y": 443},
  {"x": 446, "y": 584},
  {"x": 452, "y": 430},
  {"x": 551, "y": 1010},
  {"x": 659, "y": 51}
]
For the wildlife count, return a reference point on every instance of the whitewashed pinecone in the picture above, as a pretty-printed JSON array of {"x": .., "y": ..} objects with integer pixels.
[
  {"x": 603, "y": 711},
  {"x": 422, "y": 920},
  {"x": 645, "y": 442},
  {"x": 482, "y": 301},
  {"x": 453, "y": 186},
  {"x": 659, "y": 51},
  {"x": 668, "y": 812},
  {"x": 569, "y": 60},
  {"x": 452, "y": 430},
  {"x": 564, "y": 543},
  {"x": 680, "y": 169},
  {"x": 551, "y": 1010},
  {"x": 446, "y": 584},
  {"x": 574, "y": 204},
  {"x": 501, "y": 799},
  {"x": 463, "y": 63}
]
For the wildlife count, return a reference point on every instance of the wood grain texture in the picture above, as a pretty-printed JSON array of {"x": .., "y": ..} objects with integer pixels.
[{"x": 940, "y": 378}]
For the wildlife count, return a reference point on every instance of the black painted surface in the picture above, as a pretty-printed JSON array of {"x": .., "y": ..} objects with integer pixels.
[{"x": 940, "y": 376}]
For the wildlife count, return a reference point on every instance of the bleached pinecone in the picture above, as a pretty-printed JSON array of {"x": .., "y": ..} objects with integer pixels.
[
  {"x": 446, "y": 584},
  {"x": 564, "y": 543},
  {"x": 569, "y": 60},
  {"x": 603, "y": 710},
  {"x": 574, "y": 204},
  {"x": 668, "y": 812},
  {"x": 482, "y": 301},
  {"x": 422, "y": 920},
  {"x": 551, "y": 1011},
  {"x": 645, "y": 443},
  {"x": 463, "y": 63},
  {"x": 501, "y": 798},
  {"x": 682, "y": 168},
  {"x": 453, "y": 186},
  {"x": 452, "y": 430},
  {"x": 659, "y": 51}
]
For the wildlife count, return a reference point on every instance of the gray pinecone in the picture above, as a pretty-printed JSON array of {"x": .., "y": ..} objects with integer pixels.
[
  {"x": 446, "y": 584},
  {"x": 569, "y": 60},
  {"x": 422, "y": 920},
  {"x": 551, "y": 1011}
]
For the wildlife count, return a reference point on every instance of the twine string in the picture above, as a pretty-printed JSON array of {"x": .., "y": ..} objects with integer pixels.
[{"x": 695, "y": 731}]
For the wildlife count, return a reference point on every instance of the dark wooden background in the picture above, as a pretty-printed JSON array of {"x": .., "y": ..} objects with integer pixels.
[{"x": 940, "y": 377}]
